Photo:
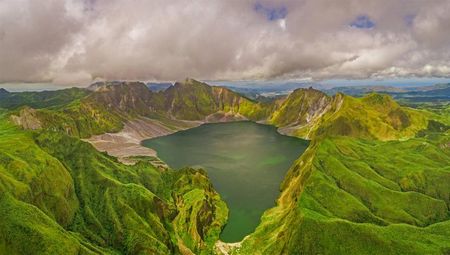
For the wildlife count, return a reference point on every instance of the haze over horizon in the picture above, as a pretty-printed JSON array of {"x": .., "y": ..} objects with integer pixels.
[{"x": 74, "y": 42}]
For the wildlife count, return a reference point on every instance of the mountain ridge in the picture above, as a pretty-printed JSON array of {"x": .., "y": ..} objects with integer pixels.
[{"x": 343, "y": 184}]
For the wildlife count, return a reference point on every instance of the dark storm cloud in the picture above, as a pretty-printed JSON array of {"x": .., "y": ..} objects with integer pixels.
[{"x": 80, "y": 40}]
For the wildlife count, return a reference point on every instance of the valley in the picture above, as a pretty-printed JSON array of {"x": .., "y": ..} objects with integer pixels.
[{"x": 346, "y": 194}]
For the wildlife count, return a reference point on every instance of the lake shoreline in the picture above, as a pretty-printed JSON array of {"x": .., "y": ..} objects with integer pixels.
[
  {"x": 127, "y": 142},
  {"x": 130, "y": 140},
  {"x": 246, "y": 163}
]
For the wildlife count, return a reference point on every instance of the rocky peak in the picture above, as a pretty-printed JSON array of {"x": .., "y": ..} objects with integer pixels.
[
  {"x": 126, "y": 97},
  {"x": 190, "y": 83},
  {"x": 27, "y": 119},
  {"x": 301, "y": 107},
  {"x": 3, "y": 91}
]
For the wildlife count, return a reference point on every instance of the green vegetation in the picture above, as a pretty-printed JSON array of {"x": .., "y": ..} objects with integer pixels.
[
  {"x": 111, "y": 104},
  {"x": 374, "y": 116},
  {"x": 366, "y": 185},
  {"x": 348, "y": 196},
  {"x": 193, "y": 100},
  {"x": 301, "y": 107},
  {"x": 60, "y": 195},
  {"x": 81, "y": 119},
  {"x": 246, "y": 168},
  {"x": 42, "y": 99},
  {"x": 374, "y": 180}
]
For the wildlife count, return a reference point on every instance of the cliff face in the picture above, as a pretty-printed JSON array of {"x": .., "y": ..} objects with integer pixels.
[
  {"x": 304, "y": 113},
  {"x": 352, "y": 191},
  {"x": 58, "y": 195},
  {"x": 300, "y": 112},
  {"x": 127, "y": 97},
  {"x": 302, "y": 107},
  {"x": 193, "y": 100},
  {"x": 187, "y": 100},
  {"x": 110, "y": 105},
  {"x": 27, "y": 119}
]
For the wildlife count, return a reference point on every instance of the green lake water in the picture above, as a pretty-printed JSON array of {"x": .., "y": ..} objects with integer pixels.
[{"x": 245, "y": 161}]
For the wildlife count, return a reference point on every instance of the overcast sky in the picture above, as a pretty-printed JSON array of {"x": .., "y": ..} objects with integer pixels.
[{"x": 78, "y": 41}]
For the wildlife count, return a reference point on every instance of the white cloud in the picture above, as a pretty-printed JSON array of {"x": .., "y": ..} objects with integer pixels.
[
  {"x": 282, "y": 23},
  {"x": 81, "y": 40}
]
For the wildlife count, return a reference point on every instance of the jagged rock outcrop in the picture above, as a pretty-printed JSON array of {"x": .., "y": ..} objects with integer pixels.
[
  {"x": 300, "y": 111},
  {"x": 193, "y": 100},
  {"x": 301, "y": 107},
  {"x": 131, "y": 98},
  {"x": 187, "y": 100},
  {"x": 27, "y": 119}
]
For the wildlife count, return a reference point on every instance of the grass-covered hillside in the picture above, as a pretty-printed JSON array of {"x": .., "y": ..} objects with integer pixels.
[
  {"x": 374, "y": 116},
  {"x": 43, "y": 99},
  {"x": 301, "y": 107},
  {"x": 58, "y": 195},
  {"x": 108, "y": 105},
  {"x": 193, "y": 100},
  {"x": 353, "y": 196},
  {"x": 374, "y": 180}
]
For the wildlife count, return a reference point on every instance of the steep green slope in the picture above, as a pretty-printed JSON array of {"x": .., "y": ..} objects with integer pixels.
[
  {"x": 193, "y": 100},
  {"x": 348, "y": 196},
  {"x": 373, "y": 116},
  {"x": 301, "y": 107},
  {"x": 129, "y": 99},
  {"x": 80, "y": 118},
  {"x": 355, "y": 192},
  {"x": 43, "y": 99},
  {"x": 300, "y": 112},
  {"x": 309, "y": 113},
  {"x": 373, "y": 181},
  {"x": 74, "y": 111},
  {"x": 59, "y": 195},
  {"x": 111, "y": 104},
  {"x": 25, "y": 228}
]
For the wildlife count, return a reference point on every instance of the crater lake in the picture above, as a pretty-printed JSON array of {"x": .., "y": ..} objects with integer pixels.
[{"x": 245, "y": 161}]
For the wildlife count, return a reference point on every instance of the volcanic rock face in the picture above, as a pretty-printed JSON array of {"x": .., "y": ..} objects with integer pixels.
[
  {"x": 27, "y": 119},
  {"x": 188, "y": 100},
  {"x": 301, "y": 107},
  {"x": 193, "y": 100},
  {"x": 125, "y": 97}
]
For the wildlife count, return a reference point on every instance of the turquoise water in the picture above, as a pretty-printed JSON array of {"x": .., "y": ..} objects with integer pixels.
[{"x": 245, "y": 161}]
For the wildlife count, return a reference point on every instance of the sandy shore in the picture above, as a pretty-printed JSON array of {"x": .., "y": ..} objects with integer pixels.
[
  {"x": 127, "y": 142},
  {"x": 223, "y": 248}
]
